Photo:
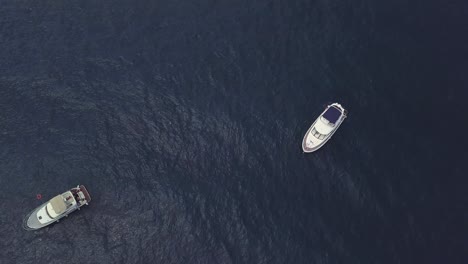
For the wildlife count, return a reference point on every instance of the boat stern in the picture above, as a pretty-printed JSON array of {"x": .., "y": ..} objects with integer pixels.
[{"x": 84, "y": 194}]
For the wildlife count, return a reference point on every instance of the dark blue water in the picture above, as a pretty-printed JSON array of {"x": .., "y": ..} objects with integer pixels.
[{"x": 184, "y": 119}]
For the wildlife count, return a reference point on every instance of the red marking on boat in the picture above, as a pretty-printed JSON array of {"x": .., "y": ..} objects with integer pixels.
[{"x": 38, "y": 196}]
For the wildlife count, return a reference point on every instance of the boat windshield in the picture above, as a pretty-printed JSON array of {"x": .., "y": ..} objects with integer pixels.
[
  {"x": 317, "y": 134},
  {"x": 332, "y": 114}
]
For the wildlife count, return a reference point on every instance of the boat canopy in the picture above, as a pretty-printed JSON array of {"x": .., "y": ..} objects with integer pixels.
[
  {"x": 56, "y": 206},
  {"x": 332, "y": 114}
]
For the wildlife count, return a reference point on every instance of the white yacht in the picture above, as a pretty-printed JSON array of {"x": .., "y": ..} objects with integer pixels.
[
  {"x": 56, "y": 208},
  {"x": 324, "y": 127}
]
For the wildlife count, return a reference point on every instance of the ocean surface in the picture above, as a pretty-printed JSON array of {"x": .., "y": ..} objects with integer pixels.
[{"x": 184, "y": 119}]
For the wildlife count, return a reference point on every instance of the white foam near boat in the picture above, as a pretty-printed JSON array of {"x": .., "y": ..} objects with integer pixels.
[
  {"x": 56, "y": 208},
  {"x": 324, "y": 127}
]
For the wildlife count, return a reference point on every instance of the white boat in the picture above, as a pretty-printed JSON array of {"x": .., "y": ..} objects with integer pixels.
[
  {"x": 324, "y": 127},
  {"x": 57, "y": 208}
]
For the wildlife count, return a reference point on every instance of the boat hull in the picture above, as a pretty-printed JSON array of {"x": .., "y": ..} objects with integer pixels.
[
  {"x": 31, "y": 221},
  {"x": 310, "y": 143}
]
